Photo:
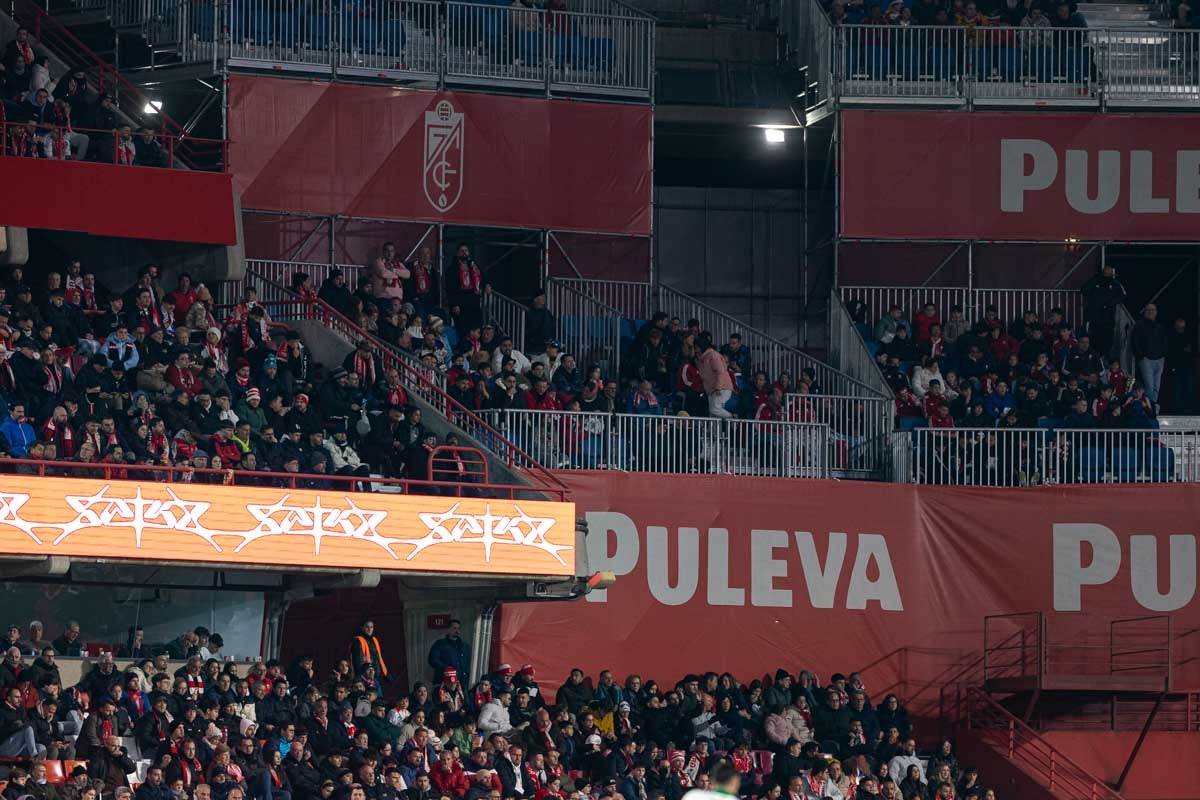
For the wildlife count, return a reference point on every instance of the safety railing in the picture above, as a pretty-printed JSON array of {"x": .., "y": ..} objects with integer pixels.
[
  {"x": 417, "y": 380},
  {"x": 1000, "y": 64},
  {"x": 69, "y": 142},
  {"x": 474, "y": 482},
  {"x": 859, "y": 430},
  {"x": 586, "y": 327},
  {"x": 587, "y": 51},
  {"x": 281, "y": 272},
  {"x": 506, "y": 314},
  {"x": 683, "y": 445},
  {"x": 849, "y": 353},
  {"x": 1140, "y": 646},
  {"x": 634, "y": 299},
  {"x": 768, "y": 353},
  {"x": 1021, "y": 744},
  {"x": 1010, "y": 303},
  {"x": 1014, "y": 645},
  {"x": 1032, "y": 456}
]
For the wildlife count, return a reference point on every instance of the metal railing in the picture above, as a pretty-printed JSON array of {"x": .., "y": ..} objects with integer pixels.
[
  {"x": 506, "y": 314},
  {"x": 684, "y": 445},
  {"x": 859, "y": 430},
  {"x": 586, "y": 327},
  {"x": 1019, "y": 743},
  {"x": 1010, "y": 303},
  {"x": 848, "y": 351},
  {"x": 969, "y": 64},
  {"x": 634, "y": 299},
  {"x": 807, "y": 36},
  {"x": 604, "y": 48},
  {"x": 1031, "y": 456}
]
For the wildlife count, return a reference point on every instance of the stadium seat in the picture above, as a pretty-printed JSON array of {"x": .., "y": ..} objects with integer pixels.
[
  {"x": 56, "y": 775},
  {"x": 1049, "y": 422},
  {"x": 1090, "y": 465},
  {"x": 911, "y": 423},
  {"x": 1127, "y": 464},
  {"x": 1160, "y": 463}
]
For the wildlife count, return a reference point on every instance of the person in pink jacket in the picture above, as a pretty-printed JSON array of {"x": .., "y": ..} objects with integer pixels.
[{"x": 714, "y": 373}]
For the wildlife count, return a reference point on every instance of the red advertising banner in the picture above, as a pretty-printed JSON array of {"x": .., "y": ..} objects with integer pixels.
[
  {"x": 996, "y": 176},
  {"x": 173, "y": 205},
  {"x": 752, "y": 574},
  {"x": 390, "y": 153}
]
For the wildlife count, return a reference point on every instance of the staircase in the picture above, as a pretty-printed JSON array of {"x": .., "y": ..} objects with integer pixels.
[
  {"x": 1009, "y": 751},
  {"x": 1140, "y": 53},
  {"x": 610, "y": 312},
  {"x": 318, "y": 318}
]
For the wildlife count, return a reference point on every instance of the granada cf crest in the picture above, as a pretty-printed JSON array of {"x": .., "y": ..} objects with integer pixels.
[{"x": 443, "y": 174}]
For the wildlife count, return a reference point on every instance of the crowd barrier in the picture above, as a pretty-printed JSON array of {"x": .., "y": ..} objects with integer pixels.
[
  {"x": 687, "y": 445},
  {"x": 65, "y": 142},
  {"x": 1031, "y": 456},
  {"x": 602, "y": 48},
  {"x": 1005, "y": 64},
  {"x": 1010, "y": 303}
]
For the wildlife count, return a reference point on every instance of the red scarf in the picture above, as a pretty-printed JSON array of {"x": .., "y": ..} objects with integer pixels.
[
  {"x": 106, "y": 729},
  {"x": 365, "y": 367},
  {"x": 421, "y": 277},
  {"x": 22, "y": 144},
  {"x": 25, "y": 51},
  {"x": 397, "y": 396},
  {"x": 54, "y": 378},
  {"x": 125, "y": 153},
  {"x": 469, "y": 277},
  {"x": 63, "y": 437}
]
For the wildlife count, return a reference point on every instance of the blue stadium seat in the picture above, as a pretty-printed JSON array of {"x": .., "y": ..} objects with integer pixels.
[
  {"x": 1049, "y": 423},
  {"x": 873, "y": 347},
  {"x": 946, "y": 63},
  {"x": 1091, "y": 464},
  {"x": 865, "y": 331},
  {"x": 1160, "y": 463},
  {"x": 529, "y": 46},
  {"x": 911, "y": 423},
  {"x": 1127, "y": 463},
  {"x": 629, "y": 328}
]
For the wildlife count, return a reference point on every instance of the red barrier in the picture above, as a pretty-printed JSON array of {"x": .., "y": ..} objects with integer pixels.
[
  {"x": 996, "y": 175},
  {"x": 751, "y": 574},
  {"x": 389, "y": 153},
  {"x": 130, "y": 202}
]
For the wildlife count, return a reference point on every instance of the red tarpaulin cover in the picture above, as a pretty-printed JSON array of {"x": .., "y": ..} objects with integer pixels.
[
  {"x": 1000, "y": 175},
  {"x": 173, "y": 205},
  {"x": 751, "y": 574},
  {"x": 389, "y": 153}
]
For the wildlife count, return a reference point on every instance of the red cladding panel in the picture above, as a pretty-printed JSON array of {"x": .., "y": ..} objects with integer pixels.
[
  {"x": 994, "y": 176},
  {"x": 381, "y": 152},
  {"x": 749, "y": 574},
  {"x": 130, "y": 202}
]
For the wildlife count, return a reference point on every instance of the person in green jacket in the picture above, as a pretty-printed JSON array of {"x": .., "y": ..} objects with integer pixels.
[{"x": 378, "y": 729}]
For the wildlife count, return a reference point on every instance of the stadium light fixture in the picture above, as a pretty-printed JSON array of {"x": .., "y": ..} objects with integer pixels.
[
  {"x": 774, "y": 135},
  {"x": 152, "y": 107}
]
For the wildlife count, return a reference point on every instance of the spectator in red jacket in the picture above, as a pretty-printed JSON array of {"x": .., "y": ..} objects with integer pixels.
[
  {"x": 924, "y": 321},
  {"x": 448, "y": 776}
]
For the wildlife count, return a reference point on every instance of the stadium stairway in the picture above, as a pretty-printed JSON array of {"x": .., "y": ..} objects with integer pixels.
[
  {"x": 331, "y": 337},
  {"x": 600, "y": 318}
]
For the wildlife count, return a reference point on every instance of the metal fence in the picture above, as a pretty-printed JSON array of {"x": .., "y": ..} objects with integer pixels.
[
  {"x": 604, "y": 48},
  {"x": 634, "y": 299},
  {"x": 860, "y": 430},
  {"x": 1010, "y": 303},
  {"x": 1033, "y": 456},
  {"x": 1001, "y": 65},
  {"x": 587, "y": 328},
  {"x": 688, "y": 445},
  {"x": 848, "y": 350},
  {"x": 506, "y": 314}
]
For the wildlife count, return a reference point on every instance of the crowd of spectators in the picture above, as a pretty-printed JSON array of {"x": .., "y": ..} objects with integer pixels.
[
  {"x": 205, "y": 731},
  {"x": 63, "y": 117},
  {"x": 147, "y": 376},
  {"x": 1033, "y": 371},
  {"x": 667, "y": 368}
]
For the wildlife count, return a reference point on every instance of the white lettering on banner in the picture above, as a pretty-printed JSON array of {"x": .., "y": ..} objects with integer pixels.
[
  {"x": 1071, "y": 574},
  {"x": 1032, "y": 165},
  {"x": 614, "y": 545}
]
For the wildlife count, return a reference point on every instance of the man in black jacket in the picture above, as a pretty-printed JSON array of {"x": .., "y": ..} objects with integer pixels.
[
  {"x": 1150, "y": 350},
  {"x": 1181, "y": 354},
  {"x": 110, "y": 764},
  {"x": 513, "y": 780},
  {"x": 17, "y": 739},
  {"x": 48, "y": 732},
  {"x": 1101, "y": 296}
]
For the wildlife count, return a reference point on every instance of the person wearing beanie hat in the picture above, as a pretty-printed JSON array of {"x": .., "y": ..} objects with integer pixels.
[
  {"x": 525, "y": 680},
  {"x": 451, "y": 651},
  {"x": 450, "y": 694},
  {"x": 250, "y": 411}
]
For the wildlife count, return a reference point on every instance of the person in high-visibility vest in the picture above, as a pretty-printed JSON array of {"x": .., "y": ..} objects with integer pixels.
[{"x": 365, "y": 649}]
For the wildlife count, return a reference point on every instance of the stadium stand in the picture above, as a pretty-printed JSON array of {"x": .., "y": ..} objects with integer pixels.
[{"x": 170, "y": 720}]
